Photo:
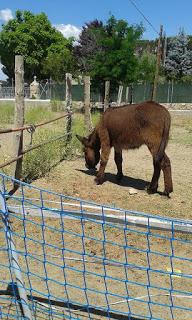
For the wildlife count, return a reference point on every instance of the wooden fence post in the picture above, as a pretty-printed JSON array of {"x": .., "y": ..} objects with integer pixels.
[
  {"x": 19, "y": 114},
  {"x": 87, "y": 104},
  {"x": 68, "y": 101},
  {"x": 107, "y": 91}
]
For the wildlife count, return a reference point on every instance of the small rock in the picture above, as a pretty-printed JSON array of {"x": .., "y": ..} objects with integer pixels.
[{"x": 132, "y": 191}]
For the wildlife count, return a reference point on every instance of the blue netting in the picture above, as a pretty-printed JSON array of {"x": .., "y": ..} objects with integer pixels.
[{"x": 80, "y": 260}]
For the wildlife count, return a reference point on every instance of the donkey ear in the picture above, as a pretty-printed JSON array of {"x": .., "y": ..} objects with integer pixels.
[{"x": 83, "y": 140}]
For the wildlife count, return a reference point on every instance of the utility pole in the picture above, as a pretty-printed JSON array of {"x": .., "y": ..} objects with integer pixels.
[
  {"x": 159, "y": 47},
  {"x": 164, "y": 48}
]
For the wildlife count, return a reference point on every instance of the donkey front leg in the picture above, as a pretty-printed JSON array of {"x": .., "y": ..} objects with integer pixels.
[
  {"x": 118, "y": 161},
  {"x": 105, "y": 152}
]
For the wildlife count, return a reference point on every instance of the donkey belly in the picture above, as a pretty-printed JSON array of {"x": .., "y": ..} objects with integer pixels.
[{"x": 133, "y": 141}]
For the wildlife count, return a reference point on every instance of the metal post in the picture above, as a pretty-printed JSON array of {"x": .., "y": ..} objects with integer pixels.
[
  {"x": 120, "y": 92},
  {"x": 87, "y": 103},
  {"x": 127, "y": 95},
  {"x": 13, "y": 258},
  {"x": 68, "y": 102}
]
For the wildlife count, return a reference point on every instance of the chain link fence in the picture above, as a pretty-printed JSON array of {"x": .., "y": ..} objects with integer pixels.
[{"x": 170, "y": 92}]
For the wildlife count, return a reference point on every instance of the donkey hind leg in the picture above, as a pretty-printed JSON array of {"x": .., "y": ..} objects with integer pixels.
[
  {"x": 166, "y": 168},
  {"x": 118, "y": 160},
  {"x": 156, "y": 174},
  {"x": 153, "y": 186},
  {"x": 105, "y": 152}
]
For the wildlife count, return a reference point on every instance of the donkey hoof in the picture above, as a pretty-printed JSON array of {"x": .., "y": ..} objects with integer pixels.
[
  {"x": 166, "y": 194},
  {"x": 151, "y": 190},
  {"x": 99, "y": 180}
]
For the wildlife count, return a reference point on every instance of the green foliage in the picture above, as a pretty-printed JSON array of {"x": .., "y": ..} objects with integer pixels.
[
  {"x": 117, "y": 62},
  {"x": 59, "y": 60},
  {"x": 109, "y": 51},
  {"x": 33, "y": 37},
  {"x": 146, "y": 67},
  {"x": 178, "y": 62}
]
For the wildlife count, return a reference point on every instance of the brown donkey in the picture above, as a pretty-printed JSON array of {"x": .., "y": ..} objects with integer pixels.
[{"x": 129, "y": 127}]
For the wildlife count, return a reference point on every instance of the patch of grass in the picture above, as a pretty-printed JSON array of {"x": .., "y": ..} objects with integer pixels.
[
  {"x": 56, "y": 106},
  {"x": 38, "y": 114},
  {"x": 39, "y": 161},
  {"x": 6, "y": 114}
]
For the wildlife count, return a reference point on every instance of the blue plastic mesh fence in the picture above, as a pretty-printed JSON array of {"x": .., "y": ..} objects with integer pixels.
[{"x": 73, "y": 259}]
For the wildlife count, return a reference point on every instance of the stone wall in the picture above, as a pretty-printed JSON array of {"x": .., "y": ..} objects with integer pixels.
[{"x": 178, "y": 106}]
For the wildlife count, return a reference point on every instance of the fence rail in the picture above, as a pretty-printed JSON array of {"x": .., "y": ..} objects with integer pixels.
[
  {"x": 29, "y": 127},
  {"x": 81, "y": 260}
]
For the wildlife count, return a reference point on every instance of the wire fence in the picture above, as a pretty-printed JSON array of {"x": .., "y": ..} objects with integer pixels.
[
  {"x": 169, "y": 92},
  {"x": 66, "y": 258}
]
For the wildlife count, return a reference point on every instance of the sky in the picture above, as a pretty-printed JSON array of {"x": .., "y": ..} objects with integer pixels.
[{"x": 70, "y": 16}]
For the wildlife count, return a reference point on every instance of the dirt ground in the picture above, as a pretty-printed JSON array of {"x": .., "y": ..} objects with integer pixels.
[
  {"x": 107, "y": 284},
  {"x": 72, "y": 178}
]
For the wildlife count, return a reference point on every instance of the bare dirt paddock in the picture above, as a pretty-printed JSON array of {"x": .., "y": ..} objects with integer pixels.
[{"x": 151, "y": 255}]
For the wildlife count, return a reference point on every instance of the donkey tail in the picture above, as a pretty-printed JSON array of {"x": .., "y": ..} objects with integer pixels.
[{"x": 164, "y": 140}]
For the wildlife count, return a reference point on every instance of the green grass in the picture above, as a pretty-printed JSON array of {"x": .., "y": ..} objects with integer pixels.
[
  {"x": 39, "y": 161},
  {"x": 6, "y": 114},
  {"x": 32, "y": 115},
  {"x": 38, "y": 114}
]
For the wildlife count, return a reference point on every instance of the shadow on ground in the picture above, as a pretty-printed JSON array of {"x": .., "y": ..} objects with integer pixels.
[{"x": 138, "y": 184}]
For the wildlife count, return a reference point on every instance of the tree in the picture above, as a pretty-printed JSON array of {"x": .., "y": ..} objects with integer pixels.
[
  {"x": 88, "y": 45},
  {"x": 33, "y": 37},
  {"x": 146, "y": 67},
  {"x": 59, "y": 60},
  {"x": 117, "y": 61},
  {"x": 109, "y": 50},
  {"x": 178, "y": 62}
]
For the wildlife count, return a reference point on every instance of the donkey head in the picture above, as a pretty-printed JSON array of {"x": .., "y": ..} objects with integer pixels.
[{"x": 91, "y": 147}]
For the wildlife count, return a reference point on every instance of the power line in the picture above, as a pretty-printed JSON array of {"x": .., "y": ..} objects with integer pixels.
[{"x": 133, "y": 3}]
